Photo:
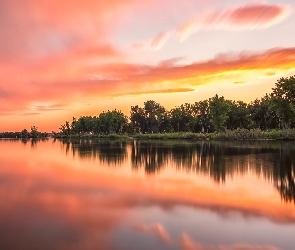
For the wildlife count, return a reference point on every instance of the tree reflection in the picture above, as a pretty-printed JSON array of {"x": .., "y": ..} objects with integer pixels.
[
  {"x": 106, "y": 151},
  {"x": 284, "y": 174},
  {"x": 33, "y": 141},
  {"x": 153, "y": 157},
  {"x": 270, "y": 160}
]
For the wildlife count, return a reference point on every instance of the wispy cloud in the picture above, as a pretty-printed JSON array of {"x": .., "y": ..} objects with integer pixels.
[
  {"x": 158, "y": 91},
  {"x": 245, "y": 17},
  {"x": 156, "y": 43},
  {"x": 252, "y": 16},
  {"x": 48, "y": 107}
]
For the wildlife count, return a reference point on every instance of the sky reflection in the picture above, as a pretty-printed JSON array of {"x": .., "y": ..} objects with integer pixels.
[{"x": 85, "y": 195}]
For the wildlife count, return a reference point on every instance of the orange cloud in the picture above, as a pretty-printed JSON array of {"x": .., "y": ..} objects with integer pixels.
[
  {"x": 60, "y": 81},
  {"x": 130, "y": 76},
  {"x": 158, "y": 91}
]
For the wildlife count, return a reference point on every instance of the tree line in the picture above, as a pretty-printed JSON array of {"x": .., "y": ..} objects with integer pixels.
[
  {"x": 25, "y": 134},
  {"x": 275, "y": 110}
]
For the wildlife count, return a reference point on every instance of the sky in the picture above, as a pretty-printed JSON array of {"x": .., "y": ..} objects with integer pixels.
[{"x": 64, "y": 59}]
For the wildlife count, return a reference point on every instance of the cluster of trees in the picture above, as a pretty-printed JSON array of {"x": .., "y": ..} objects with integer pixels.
[
  {"x": 273, "y": 111},
  {"x": 25, "y": 134},
  {"x": 110, "y": 122}
]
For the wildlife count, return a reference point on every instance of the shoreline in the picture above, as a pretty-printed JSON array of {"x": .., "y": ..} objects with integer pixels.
[{"x": 231, "y": 135}]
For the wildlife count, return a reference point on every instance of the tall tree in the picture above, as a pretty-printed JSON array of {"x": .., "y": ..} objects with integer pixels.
[
  {"x": 182, "y": 118},
  {"x": 285, "y": 88},
  {"x": 201, "y": 113},
  {"x": 34, "y": 132},
  {"x": 219, "y": 109},
  {"x": 137, "y": 118},
  {"x": 153, "y": 112},
  {"x": 238, "y": 115},
  {"x": 283, "y": 101}
]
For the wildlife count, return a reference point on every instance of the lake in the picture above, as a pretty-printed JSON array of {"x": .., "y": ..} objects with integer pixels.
[{"x": 113, "y": 194}]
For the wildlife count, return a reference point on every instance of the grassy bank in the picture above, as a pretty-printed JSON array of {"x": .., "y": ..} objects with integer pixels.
[{"x": 238, "y": 134}]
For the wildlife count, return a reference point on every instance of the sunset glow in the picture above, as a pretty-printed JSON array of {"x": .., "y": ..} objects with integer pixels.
[{"x": 60, "y": 59}]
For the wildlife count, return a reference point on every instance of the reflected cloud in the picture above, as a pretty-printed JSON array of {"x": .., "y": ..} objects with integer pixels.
[
  {"x": 48, "y": 211},
  {"x": 51, "y": 194},
  {"x": 188, "y": 244},
  {"x": 156, "y": 229}
]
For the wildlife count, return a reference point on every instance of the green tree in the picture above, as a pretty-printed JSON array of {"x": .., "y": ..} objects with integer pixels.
[
  {"x": 182, "y": 118},
  {"x": 283, "y": 101},
  {"x": 164, "y": 122},
  {"x": 219, "y": 109},
  {"x": 137, "y": 118},
  {"x": 65, "y": 129},
  {"x": 112, "y": 122},
  {"x": 25, "y": 133},
  {"x": 153, "y": 112},
  {"x": 261, "y": 114},
  {"x": 148, "y": 119},
  {"x": 285, "y": 89},
  {"x": 34, "y": 132},
  {"x": 201, "y": 113},
  {"x": 238, "y": 115}
]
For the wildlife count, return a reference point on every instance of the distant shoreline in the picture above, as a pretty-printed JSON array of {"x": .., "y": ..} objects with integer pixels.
[{"x": 238, "y": 134}]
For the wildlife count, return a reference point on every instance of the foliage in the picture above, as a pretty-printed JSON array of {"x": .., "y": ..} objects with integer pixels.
[
  {"x": 25, "y": 134},
  {"x": 271, "y": 117},
  {"x": 219, "y": 109}
]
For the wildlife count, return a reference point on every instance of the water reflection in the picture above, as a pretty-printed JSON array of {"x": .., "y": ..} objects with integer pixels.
[
  {"x": 112, "y": 194},
  {"x": 271, "y": 160},
  {"x": 112, "y": 152},
  {"x": 33, "y": 141}
]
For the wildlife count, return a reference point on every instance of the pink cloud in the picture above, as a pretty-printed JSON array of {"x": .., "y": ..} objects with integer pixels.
[
  {"x": 34, "y": 30},
  {"x": 245, "y": 17},
  {"x": 257, "y": 16}
]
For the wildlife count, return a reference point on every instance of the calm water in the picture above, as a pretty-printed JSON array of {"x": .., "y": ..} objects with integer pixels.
[{"x": 101, "y": 194}]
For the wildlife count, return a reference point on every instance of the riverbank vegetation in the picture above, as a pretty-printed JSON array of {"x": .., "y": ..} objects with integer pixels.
[
  {"x": 271, "y": 117},
  {"x": 25, "y": 134}
]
